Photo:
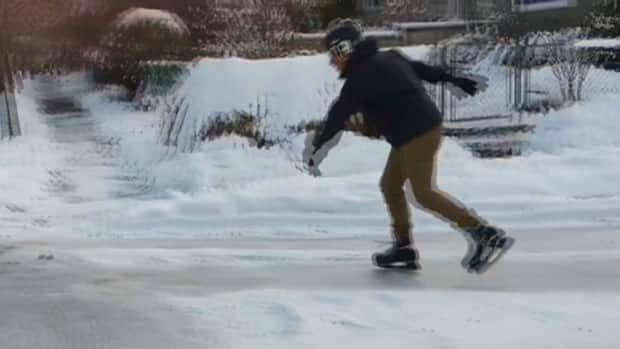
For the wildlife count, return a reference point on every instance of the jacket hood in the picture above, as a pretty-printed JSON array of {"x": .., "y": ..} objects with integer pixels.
[{"x": 363, "y": 50}]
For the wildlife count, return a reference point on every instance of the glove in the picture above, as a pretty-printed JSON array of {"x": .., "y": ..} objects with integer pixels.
[
  {"x": 313, "y": 156},
  {"x": 468, "y": 85},
  {"x": 309, "y": 155},
  {"x": 312, "y": 160},
  {"x": 354, "y": 123},
  {"x": 313, "y": 164}
]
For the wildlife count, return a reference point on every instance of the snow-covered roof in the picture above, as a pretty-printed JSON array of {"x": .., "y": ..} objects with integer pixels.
[
  {"x": 369, "y": 32},
  {"x": 436, "y": 24},
  {"x": 140, "y": 16},
  {"x": 316, "y": 36},
  {"x": 382, "y": 33},
  {"x": 542, "y": 5},
  {"x": 599, "y": 43},
  {"x": 397, "y": 28}
]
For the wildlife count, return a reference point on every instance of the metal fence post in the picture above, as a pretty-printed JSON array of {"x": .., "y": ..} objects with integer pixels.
[
  {"x": 5, "y": 126},
  {"x": 442, "y": 90},
  {"x": 9, "y": 121}
]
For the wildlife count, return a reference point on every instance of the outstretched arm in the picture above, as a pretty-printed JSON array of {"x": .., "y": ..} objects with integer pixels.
[
  {"x": 435, "y": 74},
  {"x": 430, "y": 73},
  {"x": 338, "y": 113}
]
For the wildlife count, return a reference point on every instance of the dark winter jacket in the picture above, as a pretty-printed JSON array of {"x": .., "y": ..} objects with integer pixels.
[{"x": 386, "y": 87}]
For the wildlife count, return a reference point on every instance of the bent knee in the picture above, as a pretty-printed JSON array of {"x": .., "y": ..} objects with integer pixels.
[{"x": 426, "y": 194}]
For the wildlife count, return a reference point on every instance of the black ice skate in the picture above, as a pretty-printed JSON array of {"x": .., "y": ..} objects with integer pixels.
[
  {"x": 398, "y": 257},
  {"x": 486, "y": 246}
]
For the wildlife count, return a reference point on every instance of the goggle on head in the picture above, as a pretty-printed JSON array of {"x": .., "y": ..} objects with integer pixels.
[{"x": 340, "y": 49}]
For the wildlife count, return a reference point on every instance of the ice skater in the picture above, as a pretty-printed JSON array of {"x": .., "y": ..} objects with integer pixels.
[{"x": 386, "y": 88}]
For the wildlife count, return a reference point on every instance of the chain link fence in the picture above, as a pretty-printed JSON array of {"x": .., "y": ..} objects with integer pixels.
[
  {"x": 503, "y": 90},
  {"x": 522, "y": 79}
]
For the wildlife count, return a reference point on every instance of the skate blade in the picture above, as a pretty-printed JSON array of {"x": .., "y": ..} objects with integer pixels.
[
  {"x": 413, "y": 266},
  {"x": 469, "y": 255},
  {"x": 468, "y": 261},
  {"x": 494, "y": 258},
  {"x": 405, "y": 266}
]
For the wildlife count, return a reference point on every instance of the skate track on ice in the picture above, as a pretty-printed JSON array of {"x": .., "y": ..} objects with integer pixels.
[{"x": 125, "y": 293}]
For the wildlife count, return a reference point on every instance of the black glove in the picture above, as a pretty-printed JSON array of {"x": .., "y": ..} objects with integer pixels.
[
  {"x": 468, "y": 85},
  {"x": 309, "y": 156},
  {"x": 311, "y": 162}
]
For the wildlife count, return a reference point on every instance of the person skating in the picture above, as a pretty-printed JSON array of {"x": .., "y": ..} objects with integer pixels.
[{"x": 386, "y": 87}]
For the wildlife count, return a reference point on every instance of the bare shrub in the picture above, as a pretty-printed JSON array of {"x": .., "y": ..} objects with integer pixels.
[{"x": 570, "y": 65}]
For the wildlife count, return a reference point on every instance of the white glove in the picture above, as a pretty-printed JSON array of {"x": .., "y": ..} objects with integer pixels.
[
  {"x": 313, "y": 157},
  {"x": 355, "y": 121}
]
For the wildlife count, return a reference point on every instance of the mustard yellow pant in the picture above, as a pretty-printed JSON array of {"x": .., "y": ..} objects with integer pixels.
[{"x": 417, "y": 161}]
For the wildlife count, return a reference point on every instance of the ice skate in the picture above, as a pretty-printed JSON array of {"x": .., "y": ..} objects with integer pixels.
[
  {"x": 486, "y": 245},
  {"x": 398, "y": 257}
]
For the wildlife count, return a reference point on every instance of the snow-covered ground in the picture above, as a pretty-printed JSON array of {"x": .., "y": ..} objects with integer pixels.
[{"x": 239, "y": 248}]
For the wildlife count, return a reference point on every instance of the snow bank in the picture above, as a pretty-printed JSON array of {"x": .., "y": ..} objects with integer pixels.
[
  {"x": 567, "y": 179},
  {"x": 228, "y": 188},
  {"x": 28, "y": 165},
  {"x": 599, "y": 43},
  {"x": 292, "y": 89}
]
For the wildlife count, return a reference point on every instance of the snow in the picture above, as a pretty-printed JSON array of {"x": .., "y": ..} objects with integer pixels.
[
  {"x": 315, "y": 36},
  {"x": 26, "y": 162},
  {"x": 599, "y": 43},
  {"x": 383, "y": 33},
  {"x": 229, "y": 189},
  {"x": 436, "y": 24},
  {"x": 222, "y": 85},
  {"x": 375, "y": 32},
  {"x": 248, "y": 251},
  {"x": 304, "y": 97},
  {"x": 543, "y": 5}
]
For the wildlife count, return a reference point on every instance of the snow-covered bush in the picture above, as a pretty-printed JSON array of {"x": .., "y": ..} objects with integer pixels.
[
  {"x": 251, "y": 124},
  {"x": 569, "y": 64},
  {"x": 139, "y": 35}
]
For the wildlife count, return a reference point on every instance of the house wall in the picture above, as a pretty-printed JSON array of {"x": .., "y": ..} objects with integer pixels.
[
  {"x": 520, "y": 23},
  {"x": 440, "y": 9},
  {"x": 550, "y": 19},
  {"x": 431, "y": 36}
]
